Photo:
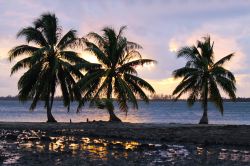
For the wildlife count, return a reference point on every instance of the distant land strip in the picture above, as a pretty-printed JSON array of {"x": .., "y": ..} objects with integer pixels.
[{"x": 152, "y": 98}]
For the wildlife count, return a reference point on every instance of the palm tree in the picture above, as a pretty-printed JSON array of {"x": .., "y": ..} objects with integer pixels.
[
  {"x": 116, "y": 74},
  {"x": 203, "y": 78},
  {"x": 50, "y": 62}
]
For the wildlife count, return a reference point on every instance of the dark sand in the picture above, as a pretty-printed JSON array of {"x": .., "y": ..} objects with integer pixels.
[
  {"x": 176, "y": 133},
  {"x": 101, "y": 143}
]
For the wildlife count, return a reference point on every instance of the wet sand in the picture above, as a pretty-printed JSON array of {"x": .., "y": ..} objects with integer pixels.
[
  {"x": 238, "y": 135},
  {"x": 101, "y": 143}
]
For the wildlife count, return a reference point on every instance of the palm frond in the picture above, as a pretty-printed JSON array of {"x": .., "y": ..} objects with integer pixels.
[
  {"x": 227, "y": 85},
  {"x": 186, "y": 85},
  {"x": 121, "y": 96},
  {"x": 130, "y": 95},
  {"x": 48, "y": 25},
  {"x": 26, "y": 62},
  {"x": 70, "y": 68},
  {"x": 142, "y": 83},
  {"x": 130, "y": 55},
  {"x": 21, "y": 50},
  {"x": 28, "y": 81},
  {"x": 33, "y": 35},
  {"x": 97, "y": 39},
  {"x": 190, "y": 53},
  {"x": 136, "y": 89},
  {"x": 91, "y": 77},
  {"x": 135, "y": 63},
  {"x": 215, "y": 95},
  {"x": 91, "y": 47},
  {"x": 133, "y": 45},
  {"x": 224, "y": 59},
  {"x": 102, "y": 87},
  {"x": 72, "y": 57},
  {"x": 120, "y": 33},
  {"x": 69, "y": 40},
  {"x": 184, "y": 72},
  {"x": 220, "y": 71}
]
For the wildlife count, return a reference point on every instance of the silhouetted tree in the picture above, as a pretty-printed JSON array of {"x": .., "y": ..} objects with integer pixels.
[
  {"x": 202, "y": 77},
  {"x": 50, "y": 63},
  {"x": 116, "y": 74}
]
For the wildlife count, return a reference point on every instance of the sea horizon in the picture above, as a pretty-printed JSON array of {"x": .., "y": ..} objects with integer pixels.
[{"x": 235, "y": 113}]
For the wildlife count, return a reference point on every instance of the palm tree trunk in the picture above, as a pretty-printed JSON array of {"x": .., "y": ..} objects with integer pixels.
[
  {"x": 112, "y": 116},
  {"x": 204, "y": 119},
  {"x": 50, "y": 116},
  {"x": 49, "y": 108}
]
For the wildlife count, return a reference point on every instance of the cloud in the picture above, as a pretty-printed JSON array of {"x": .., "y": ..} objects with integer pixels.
[
  {"x": 5, "y": 45},
  {"x": 159, "y": 26},
  {"x": 173, "y": 45},
  {"x": 164, "y": 86},
  {"x": 8, "y": 85},
  {"x": 242, "y": 84}
]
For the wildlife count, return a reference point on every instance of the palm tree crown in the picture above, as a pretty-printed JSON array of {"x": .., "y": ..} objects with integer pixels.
[
  {"x": 116, "y": 72},
  {"x": 49, "y": 61},
  {"x": 202, "y": 77}
]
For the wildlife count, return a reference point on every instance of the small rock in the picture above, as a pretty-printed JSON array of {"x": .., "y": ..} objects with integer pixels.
[
  {"x": 12, "y": 137},
  {"x": 32, "y": 138},
  {"x": 45, "y": 138}
]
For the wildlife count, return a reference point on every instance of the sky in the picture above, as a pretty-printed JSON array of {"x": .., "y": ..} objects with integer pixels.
[{"x": 160, "y": 26}]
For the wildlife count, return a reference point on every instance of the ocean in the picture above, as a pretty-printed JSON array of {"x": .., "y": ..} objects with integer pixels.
[{"x": 154, "y": 112}]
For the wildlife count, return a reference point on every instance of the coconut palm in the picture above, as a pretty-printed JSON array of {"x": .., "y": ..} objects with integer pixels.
[
  {"x": 116, "y": 74},
  {"x": 203, "y": 78},
  {"x": 50, "y": 62}
]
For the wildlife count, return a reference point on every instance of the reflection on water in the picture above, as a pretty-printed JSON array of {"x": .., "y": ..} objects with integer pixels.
[
  {"x": 98, "y": 148},
  {"x": 224, "y": 154},
  {"x": 34, "y": 147}
]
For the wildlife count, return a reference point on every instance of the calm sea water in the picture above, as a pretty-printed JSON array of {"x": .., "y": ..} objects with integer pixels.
[{"x": 154, "y": 112}]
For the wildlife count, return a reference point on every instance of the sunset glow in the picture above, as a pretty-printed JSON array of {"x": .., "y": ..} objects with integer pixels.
[
  {"x": 89, "y": 57},
  {"x": 173, "y": 47},
  {"x": 124, "y": 82},
  {"x": 161, "y": 32}
]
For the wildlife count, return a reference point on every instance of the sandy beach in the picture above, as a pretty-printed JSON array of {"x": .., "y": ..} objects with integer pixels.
[
  {"x": 178, "y": 133},
  {"x": 102, "y": 143}
]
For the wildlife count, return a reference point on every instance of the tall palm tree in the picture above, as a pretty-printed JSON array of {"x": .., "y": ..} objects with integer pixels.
[
  {"x": 203, "y": 78},
  {"x": 50, "y": 62},
  {"x": 116, "y": 74}
]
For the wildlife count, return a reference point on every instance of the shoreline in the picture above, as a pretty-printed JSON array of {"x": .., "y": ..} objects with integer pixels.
[{"x": 235, "y": 135}]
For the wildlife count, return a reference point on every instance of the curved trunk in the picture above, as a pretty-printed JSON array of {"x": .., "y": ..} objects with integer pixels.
[
  {"x": 49, "y": 108},
  {"x": 50, "y": 116},
  {"x": 204, "y": 118},
  {"x": 112, "y": 116}
]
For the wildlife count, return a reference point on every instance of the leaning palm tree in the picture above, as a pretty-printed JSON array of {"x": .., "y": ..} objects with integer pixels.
[
  {"x": 50, "y": 62},
  {"x": 116, "y": 74},
  {"x": 203, "y": 78}
]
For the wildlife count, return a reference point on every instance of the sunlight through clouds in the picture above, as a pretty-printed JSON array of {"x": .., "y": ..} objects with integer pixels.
[
  {"x": 173, "y": 46},
  {"x": 164, "y": 86}
]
